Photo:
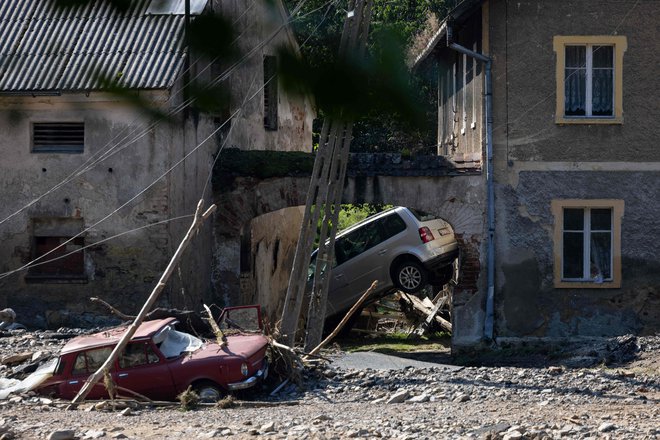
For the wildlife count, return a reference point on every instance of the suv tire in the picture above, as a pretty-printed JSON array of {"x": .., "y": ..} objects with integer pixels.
[{"x": 410, "y": 276}]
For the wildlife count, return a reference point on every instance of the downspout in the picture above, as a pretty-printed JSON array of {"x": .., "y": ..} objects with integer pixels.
[{"x": 490, "y": 296}]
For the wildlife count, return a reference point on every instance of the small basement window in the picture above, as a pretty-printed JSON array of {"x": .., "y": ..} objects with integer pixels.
[
  {"x": 58, "y": 137},
  {"x": 60, "y": 258}
]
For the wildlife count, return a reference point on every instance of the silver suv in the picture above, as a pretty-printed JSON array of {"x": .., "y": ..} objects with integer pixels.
[{"x": 401, "y": 248}]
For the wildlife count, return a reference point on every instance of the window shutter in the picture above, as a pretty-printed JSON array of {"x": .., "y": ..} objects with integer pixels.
[
  {"x": 58, "y": 137},
  {"x": 270, "y": 92}
]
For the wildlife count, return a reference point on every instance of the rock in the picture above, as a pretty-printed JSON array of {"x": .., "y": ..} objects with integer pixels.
[
  {"x": 16, "y": 358},
  {"x": 66, "y": 434},
  {"x": 268, "y": 427},
  {"x": 253, "y": 432},
  {"x": 126, "y": 412},
  {"x": 119, "y": 435},
  {"x": 418, "y": 399},
  {"x": 398, "y": 397},
  {"x": 94, "y": 434},
  {"x": 554, "y": 370},
  {"x": 512, "y": 435},
  {"x": 606, "y": 427},
  {"x": 461, "y": 398}
]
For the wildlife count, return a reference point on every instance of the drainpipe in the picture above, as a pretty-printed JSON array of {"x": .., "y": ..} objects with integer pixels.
[{"x": 490, "y": 296}]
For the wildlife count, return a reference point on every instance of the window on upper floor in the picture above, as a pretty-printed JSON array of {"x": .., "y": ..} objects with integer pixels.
[
  {"x": 270, "y": 92},
  {"x": 589, "y": 79},
  {"x": 58, "y": 137},
  {"x": 587, "y": 243}
]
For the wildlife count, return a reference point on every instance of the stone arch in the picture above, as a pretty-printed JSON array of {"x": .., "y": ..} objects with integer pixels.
[{"x": 460, "y": 200}]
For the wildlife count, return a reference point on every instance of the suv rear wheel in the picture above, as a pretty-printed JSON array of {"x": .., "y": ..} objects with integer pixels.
[{"x": 410, "y": 276}]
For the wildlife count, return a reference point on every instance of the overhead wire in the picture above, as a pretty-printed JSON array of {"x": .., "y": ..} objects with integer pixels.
[
  {"x": 118, "y": 147},
  {"x": 144, "y": 190}
]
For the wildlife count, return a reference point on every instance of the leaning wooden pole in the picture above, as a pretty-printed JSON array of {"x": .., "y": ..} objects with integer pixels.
[
  {"x": 324, "y": 198},
  {"x": 130, "y": 331}
]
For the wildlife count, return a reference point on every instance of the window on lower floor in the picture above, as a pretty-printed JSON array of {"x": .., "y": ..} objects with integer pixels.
[
  {"x": 57, "y": 252},
  {"x": 587, "y": 243},
  {"x": 589, "y": 78}
]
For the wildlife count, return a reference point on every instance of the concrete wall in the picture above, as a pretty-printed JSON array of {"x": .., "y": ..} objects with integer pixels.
[
  {"x": 273, "y": 258},
  {"x": 538, "y": 160},
  {"x": 295, "y": 113},
  {"x": 121, "y": 270}
]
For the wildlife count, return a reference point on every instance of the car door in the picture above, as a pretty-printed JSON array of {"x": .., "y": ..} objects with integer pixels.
[
  {"x": 85, "y": 364},
  {"x": 360, "y": 266},
  {"x": 142, "y": 370}
]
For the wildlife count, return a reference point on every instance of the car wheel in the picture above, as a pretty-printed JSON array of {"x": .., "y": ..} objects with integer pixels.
[
  {"x": 208, "y": 392},
  {"x": 410, "y": 276}
]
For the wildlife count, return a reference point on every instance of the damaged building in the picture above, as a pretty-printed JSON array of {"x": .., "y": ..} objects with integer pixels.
[
  {"x": 574, "y": 163},
  {"x": 87, "y": 169}
]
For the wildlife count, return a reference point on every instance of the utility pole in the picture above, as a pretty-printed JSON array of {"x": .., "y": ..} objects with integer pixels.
[{"x": 324, "y": 199}]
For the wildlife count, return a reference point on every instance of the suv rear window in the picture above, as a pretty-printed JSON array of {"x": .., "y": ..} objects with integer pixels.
[
  {"x": 392, "y": 224},
  {"x": 421, "y": 215}
]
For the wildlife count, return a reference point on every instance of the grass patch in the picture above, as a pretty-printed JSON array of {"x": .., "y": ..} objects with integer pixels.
[{"x": 396, "y": 343}]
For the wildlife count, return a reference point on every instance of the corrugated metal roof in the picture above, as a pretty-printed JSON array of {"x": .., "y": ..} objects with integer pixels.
[{"x": 49, "y": 49}]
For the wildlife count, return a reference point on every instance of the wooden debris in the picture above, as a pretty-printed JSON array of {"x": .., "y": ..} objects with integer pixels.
[
  {"x": 424, "y": 309},
  {"x": 219, "y": 336},
  {"x": 343, "y": 322},
  {"x": 189, "y": 321}
]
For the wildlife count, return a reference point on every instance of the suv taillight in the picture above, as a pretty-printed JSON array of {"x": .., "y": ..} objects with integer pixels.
[{"x": 425, "y": 234}]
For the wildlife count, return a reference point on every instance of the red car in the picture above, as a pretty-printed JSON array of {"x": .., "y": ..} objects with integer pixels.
[{"x": 161, "y": 362}]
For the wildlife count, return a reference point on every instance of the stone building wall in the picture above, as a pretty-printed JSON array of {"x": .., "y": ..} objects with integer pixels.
[{"x": 538, "y": 161}]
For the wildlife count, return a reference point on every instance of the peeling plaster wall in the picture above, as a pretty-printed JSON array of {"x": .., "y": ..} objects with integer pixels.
[
  {"x": 274, "y": 240},
  {"x": 537, "y": 161},
  {"x": 295, "y": 113},
  {"x": 122, "y": 270}
]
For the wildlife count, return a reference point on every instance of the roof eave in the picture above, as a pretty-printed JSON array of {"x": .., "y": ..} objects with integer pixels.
[{"x": 461, "y": 10}]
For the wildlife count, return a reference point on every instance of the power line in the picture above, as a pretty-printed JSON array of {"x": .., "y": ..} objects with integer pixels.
[
  {"x": 120, "y": 145},
  {"x": 199, "y": 145}
]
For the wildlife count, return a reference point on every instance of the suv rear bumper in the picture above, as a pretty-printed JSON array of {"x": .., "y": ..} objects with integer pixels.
[{"x": 439, "y": 262}]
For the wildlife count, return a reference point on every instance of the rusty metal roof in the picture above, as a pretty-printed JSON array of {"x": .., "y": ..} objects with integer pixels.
[{"x": 44, "y": 48}]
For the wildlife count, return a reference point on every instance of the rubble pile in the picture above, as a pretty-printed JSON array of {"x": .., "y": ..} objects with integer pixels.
[{"x": 502, "y": 402}]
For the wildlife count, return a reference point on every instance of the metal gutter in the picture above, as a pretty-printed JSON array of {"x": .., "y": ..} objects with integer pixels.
[{"x": 490, "y": 295}]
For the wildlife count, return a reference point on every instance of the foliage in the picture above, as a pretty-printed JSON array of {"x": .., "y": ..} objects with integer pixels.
[
  {"x": 392, "y": 114},
  {"x": 393, "y": 343},
  {"x": 188, "y": 399},
  {"x": 351, "y": 214}
]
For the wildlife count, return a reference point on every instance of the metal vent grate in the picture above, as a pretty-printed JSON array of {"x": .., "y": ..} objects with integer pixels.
[{"x": 58, "y": 137}]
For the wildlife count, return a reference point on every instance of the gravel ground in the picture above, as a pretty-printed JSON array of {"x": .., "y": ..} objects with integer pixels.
[{"x": 495, "y": 402}]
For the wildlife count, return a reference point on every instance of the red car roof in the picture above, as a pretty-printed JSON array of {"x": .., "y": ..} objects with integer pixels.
[{"x": 110, "y": 337}]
